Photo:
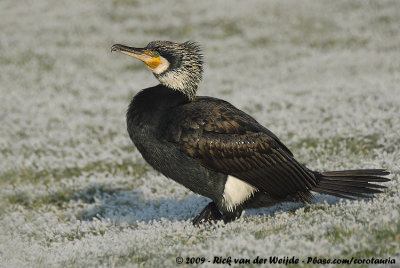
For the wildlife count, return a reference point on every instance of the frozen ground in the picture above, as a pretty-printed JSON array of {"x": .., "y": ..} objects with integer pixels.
[{"x": 323, "y": 75}]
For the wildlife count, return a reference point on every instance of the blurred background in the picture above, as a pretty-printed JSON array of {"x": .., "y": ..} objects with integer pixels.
[{"x": 324, "y": 76}]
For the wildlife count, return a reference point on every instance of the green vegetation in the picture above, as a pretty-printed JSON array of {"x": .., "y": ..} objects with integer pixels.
[{"x": 126, "y": 168}]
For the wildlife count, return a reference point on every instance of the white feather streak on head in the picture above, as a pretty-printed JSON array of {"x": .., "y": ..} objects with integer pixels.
[{"x": 183, "y": 72}]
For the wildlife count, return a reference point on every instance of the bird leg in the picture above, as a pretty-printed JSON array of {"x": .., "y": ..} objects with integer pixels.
[{"x": 209, "y": 214}]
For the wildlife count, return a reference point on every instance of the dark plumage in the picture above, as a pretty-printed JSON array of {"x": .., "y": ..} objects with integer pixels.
[{"x": 216, "y": 150}]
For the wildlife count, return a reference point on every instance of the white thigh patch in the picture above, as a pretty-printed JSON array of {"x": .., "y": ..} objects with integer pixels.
[{"x": 236, "y": 192}]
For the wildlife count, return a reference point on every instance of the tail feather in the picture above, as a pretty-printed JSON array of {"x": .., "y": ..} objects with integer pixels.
[
  {"x": 358, "y": 172},
  {"x": 335, "y": 193},
  {"x": 351, "y": 183}
]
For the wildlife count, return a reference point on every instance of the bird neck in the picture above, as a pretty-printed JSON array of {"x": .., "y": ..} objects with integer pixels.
[
  {"x": 153, "y": 101},
  {"x": 183, "y": 74},
  {"x": 181, "y": 81}
]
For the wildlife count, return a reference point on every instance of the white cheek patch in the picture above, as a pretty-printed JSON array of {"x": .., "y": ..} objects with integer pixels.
[
  {"x": 162, "y": 67},
  {"x": 236, "y": 192}
]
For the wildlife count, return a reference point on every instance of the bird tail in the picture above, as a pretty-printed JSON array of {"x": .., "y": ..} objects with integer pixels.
[{"x": 351, "y": 183}]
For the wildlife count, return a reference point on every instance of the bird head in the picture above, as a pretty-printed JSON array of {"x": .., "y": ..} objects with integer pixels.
[{"x": 176, "y": 66}]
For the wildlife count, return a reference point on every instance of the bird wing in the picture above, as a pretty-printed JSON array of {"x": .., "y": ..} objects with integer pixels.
[{"x": 227, "y": 140}]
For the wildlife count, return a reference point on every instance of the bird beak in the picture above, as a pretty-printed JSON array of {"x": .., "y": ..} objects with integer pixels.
[{"x": 138, "y": 53}]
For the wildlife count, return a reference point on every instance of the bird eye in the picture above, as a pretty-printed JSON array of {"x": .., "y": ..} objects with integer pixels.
[{"x": 156, "y": 54}]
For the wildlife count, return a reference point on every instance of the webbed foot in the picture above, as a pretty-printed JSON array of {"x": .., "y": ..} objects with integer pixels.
[
  {"x": 209, "y": 214},
  {"x": 231, "y": 216}
]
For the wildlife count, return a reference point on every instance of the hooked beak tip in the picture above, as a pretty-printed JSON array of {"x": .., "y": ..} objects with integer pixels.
[{"x": 115, "y": 47}]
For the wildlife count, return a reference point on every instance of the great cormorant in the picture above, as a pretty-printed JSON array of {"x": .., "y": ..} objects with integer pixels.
[{"x": 217, "y": 150}]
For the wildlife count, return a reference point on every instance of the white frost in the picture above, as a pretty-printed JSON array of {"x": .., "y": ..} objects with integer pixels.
[{"x": 324, "y": 76}]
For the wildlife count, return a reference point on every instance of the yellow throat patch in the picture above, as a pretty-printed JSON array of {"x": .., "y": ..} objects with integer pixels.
[{"x": 153, "y": 63}]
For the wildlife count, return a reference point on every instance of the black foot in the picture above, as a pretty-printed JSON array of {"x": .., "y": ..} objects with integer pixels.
[
  {"x": 231, "y": 216},
  {"x": 209, "y": 214}
]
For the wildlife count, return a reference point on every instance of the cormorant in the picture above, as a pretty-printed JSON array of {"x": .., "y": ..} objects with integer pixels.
[{"x": 217, "y": 150}]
